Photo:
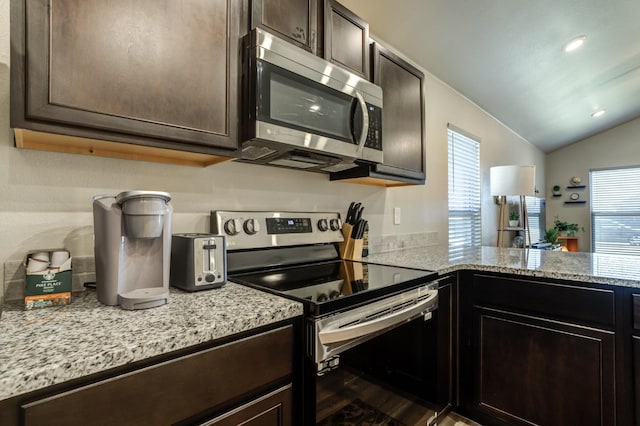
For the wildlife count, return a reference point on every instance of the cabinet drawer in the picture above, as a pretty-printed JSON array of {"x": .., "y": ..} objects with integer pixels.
[
  {"x": 582, "y": 304},
  {"x": 173, "y": 390},
  {"x": 273, "y": 409}
]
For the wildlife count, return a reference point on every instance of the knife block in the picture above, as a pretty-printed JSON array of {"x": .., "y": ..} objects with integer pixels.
[
  {"x": 350, "y": 248},
  {"x": 350, "y": 272}
]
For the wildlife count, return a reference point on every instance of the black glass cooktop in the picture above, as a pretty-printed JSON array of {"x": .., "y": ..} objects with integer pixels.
[{"x": 330, "y": 286}]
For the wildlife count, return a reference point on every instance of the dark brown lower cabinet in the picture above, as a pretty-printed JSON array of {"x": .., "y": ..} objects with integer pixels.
[
  {"x": 533, "y": 352},
  {"x": 636, "y": 377},
  {"x": 535, "y": 371},
  {"x": 246, "y": 381}
]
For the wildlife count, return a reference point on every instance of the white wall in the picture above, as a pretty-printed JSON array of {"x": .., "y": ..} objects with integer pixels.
[
  {"x": 45, "y": 198},
  {"x": 617, "y": 147}
]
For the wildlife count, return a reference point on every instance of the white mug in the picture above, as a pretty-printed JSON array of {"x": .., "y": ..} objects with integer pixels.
[
  {"x": 36, "y": 265},
  {"x": 42, "y": 256},
  {"x": 58, "y": 258}
]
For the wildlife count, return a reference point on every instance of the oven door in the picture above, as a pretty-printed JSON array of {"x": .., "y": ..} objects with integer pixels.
[
  {"x": 336, "y": 333},
  {"x": 385, "y": 371}
]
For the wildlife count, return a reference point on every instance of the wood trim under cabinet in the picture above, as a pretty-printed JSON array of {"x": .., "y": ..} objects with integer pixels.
[
  {"x": 385, "y": 183},
  {"x": 28, "y": 139}
]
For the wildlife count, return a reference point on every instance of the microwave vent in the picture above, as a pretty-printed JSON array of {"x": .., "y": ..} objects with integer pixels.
[
  {"x": 339, "y": 167},
  {"x": 252, "y": 152}
]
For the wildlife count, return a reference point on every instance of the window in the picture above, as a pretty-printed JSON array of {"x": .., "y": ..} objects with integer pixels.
[
  {"x": 464, "y": 191},
  {"x": 535, "y": 212},
  {"x": 615, "y": 211}
]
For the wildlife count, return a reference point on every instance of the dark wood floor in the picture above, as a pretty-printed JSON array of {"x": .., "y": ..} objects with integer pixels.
[{"x": 402, "y": 408}]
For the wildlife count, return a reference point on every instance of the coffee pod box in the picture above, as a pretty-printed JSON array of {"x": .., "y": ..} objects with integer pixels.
[{"x": 47, "y": 278}]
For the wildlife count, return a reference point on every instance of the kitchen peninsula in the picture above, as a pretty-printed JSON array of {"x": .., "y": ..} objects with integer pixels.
[{"x": 531, "y": 324}]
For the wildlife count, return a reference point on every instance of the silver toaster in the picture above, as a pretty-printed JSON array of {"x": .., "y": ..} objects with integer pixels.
[{"x": 198, "y": 261}]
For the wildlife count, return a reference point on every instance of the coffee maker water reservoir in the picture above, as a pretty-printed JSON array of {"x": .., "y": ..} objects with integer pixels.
[{"x": 132, "y": 248}]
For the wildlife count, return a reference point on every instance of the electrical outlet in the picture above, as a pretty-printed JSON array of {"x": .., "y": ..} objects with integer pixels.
[{"x": 396, "y": 215}]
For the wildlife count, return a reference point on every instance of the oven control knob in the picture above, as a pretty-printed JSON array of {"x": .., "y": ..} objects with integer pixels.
[
  {"x": 323, "y": 225},
  {"x": 209, "y": 278},
  {"x": 336, "y": 224},
  {"x": 232, "y": 227},
  {"x": 251, "y": 226}
]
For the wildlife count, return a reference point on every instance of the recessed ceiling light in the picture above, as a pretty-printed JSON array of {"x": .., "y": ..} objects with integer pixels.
[
  {"x": 599, "y": 113},
  {"x": 574, "y": 44}
]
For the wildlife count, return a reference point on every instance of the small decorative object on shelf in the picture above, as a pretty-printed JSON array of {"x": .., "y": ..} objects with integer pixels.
[
  {"x": 518, "y": 242},
  {"x": 513, "y": 218},
  {"x": 575, "y": 196},
  {"x": 575, "y": 183},
  {"x": 556, "y": 191}
]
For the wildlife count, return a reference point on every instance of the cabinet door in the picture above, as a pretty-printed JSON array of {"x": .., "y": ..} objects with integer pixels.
[
  {"x": 273, "y": 409},
  {"x": 636, "y": 378},
  {"x": 294, "y": 20},
  {"x": 403, "y": 111},
  {"x": 159, "y": 69},
  {"x": 346, "y": 38},
  {"x": 529, "y": 370}
]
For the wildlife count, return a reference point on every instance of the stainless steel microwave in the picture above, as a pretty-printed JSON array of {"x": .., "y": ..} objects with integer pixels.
[{"x": 300, "y": 111}]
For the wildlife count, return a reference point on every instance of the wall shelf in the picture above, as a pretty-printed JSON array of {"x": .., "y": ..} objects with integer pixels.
[
  {"x": 575, "y": 202},
  {"x": 576, "y": 186},
  {"x": 557, "y": 195}
]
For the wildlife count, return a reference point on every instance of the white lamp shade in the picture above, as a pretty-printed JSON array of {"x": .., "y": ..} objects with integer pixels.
[{"x": 513, "y": 180}]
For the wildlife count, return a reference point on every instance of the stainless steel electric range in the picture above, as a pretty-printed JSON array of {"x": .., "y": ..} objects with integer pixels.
[{"x": 346, "y": 303}]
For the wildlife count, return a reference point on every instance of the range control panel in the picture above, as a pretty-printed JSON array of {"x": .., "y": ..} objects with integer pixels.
[{"x": 248, "y": 230}]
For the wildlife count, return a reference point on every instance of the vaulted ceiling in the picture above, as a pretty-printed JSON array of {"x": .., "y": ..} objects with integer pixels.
[{"x": 507, "y": 57}]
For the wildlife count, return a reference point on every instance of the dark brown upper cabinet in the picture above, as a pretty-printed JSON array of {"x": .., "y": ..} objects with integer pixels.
[
  {"x": 293, "y": 20},
  {"x": 157, "y": 73},
  {"x": 403, "y": 111},
  {"x": 403, "y": 126},
  {"x": 346, "y": 38}
]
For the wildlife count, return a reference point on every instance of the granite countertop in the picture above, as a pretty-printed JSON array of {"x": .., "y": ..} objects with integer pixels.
[
  {"x": 585, "y": 267},
  {"x": 47, "y": 346}
]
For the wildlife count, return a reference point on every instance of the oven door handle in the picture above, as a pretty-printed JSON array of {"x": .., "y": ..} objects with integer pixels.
[{"x": 376, "y": 324}]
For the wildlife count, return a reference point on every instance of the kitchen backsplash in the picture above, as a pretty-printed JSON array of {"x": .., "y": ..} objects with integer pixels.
[
  {"x": 84, "y": 266},
  {"x": 395, "y": 242}
]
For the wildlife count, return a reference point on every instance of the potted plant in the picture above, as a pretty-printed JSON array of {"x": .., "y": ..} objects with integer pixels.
[
  {"x": 513, "y": 218},
  {"x": 556, "y": 189},
  {"x": 551, "y": 236},
  {"x": 566, "y": 228}
]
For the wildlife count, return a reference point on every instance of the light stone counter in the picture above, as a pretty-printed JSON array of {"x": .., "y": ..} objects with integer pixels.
[
  {"x": 47, "y": 346},
  {"x": 584, "y": 267},
  {"x": 43, "y": 347}
]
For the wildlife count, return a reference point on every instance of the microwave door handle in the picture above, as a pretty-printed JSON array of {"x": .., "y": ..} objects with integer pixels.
[
  {"x": 365, "y": 121},
  {"x": 376, "y": 324}
]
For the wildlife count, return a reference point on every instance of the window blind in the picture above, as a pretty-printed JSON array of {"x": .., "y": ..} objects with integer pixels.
[
  {"x": 464, "y": 192},
  {"x": 615, "y": 211},
  {"x": 535, "y": 211}
]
